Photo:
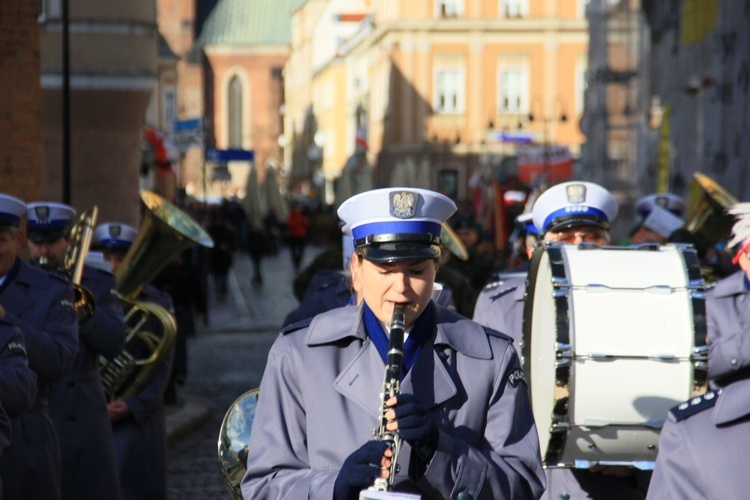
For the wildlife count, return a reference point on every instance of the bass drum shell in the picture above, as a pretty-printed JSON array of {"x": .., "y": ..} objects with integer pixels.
[{"x": 613, "y": 338}]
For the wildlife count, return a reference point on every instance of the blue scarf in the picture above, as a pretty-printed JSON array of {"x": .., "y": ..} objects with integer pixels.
[{"x": 420, "y": 333}]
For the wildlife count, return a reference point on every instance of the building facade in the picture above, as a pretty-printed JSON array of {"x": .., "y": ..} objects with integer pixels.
[
  {"x": 440, "y": 89},
  {"x": 112, "y": 73},
  {"x": 21, "y": 151}
]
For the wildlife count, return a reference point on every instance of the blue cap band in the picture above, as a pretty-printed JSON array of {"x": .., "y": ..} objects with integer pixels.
[
  {"x": 400, "y": 227},
  {"x": 576, "y": 210},
  {"x": 56, "y": 223},
  {"x": 114, "y": 242}
]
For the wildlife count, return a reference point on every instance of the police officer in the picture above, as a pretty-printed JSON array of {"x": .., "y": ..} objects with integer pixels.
[
  {"x": 463, "y": 411},
  {"x": 42, "y": 304},
  {"x": 77, "y": 406},
  {"x": 660, "y": 215},
  {"x": 572, "y": 213},
  {"x": 17, "y": 380},
  {"x": 500, "y": 303},
  {"x": 138, "y": 423},
  {"x": 704, "y": 442}
]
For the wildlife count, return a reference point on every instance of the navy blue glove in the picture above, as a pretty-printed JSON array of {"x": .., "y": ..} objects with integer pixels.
[
  {"x": 417, "y": 428},
  {"x": 359, "y": 470}
]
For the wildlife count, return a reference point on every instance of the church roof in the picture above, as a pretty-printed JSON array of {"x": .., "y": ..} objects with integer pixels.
[{"x": 248, "y": 23}]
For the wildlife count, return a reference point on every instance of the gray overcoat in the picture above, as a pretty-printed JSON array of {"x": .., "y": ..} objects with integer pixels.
[
  {"x": 703, "y": 445},
  {"x": 78, "y": 407},
  {"x": 141, "y": 438},
  {"x": 319, "y": 401},
  {"x": 500, "y": 307},
  {"x": 42, "y": 305}
]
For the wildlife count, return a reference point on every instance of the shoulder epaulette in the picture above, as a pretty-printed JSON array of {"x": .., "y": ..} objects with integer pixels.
[
  {"x": 299, "y": 325},
  {"x": 503, "y": 292},
  {"x": 695, "y": 405},
  {"x": 59, "y": 275},
  {"x": 495, "y": 281}
]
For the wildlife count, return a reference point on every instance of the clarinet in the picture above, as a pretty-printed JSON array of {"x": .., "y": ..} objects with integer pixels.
[{"x": 391, "y": 387}]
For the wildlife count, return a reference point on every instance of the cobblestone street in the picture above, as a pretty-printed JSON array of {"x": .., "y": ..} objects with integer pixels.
[{"x": 225, "y": 359}]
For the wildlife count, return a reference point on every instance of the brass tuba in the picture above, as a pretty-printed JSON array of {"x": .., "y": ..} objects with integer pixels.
[
  {"x": 164, "y": 233},
  {"x": 709, "y": 222},
  {"x": 234, "y": 439}
]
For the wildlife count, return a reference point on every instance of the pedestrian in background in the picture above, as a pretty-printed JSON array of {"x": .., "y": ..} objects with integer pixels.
[
  {"x": 220, "y": 255},
  {"x": 298, "y": 224}
]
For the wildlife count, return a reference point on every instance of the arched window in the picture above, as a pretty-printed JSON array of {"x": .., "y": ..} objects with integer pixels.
[{"x": 234, "y": 113}]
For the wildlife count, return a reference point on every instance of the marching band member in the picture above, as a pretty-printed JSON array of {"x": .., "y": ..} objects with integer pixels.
[
  {"x": 703, "y": 442},
  {"x": 572, "y": 213},
  {"x": 17, "y": 380},
  {"x": 42, "y": 304},
  {"x": 138, "y": 422},
  {"x": 463, "y": 411},
  {"x": 660, "y": 215},
  {"x": 77, "y": 407},
  {"x": 500, "y": 303}
]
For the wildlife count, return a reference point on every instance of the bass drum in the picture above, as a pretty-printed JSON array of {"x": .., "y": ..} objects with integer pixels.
[
  {"x": 613, "y": 338},
  {"x": 234, "y": 438}
]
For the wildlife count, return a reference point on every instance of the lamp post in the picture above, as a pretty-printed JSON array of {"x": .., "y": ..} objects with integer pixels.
[{"x": 65, "y": 103}]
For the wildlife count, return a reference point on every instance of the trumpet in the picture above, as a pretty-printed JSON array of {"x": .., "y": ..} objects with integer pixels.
[{"x": 75, "y": 257}]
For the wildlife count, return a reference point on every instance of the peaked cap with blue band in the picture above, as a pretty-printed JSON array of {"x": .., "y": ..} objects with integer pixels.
[
  {"x": 47, "y": 220},
  {"x": 525, "y": 221},
  {"x": 11, "y": 211},
  {"x": 668, "y": 201},
  {"x": 572, "y": 204},
  {"x": 396, "y": 224},
  {"x": 114, "y": 236}
]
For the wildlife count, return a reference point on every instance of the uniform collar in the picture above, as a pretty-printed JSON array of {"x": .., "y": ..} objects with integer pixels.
[
  {"x": 458, "y": 332},
  {"x": 330, "y": 328}
]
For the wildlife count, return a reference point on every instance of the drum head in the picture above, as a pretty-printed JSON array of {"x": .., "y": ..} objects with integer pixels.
[{"x": 609, "y": 341}]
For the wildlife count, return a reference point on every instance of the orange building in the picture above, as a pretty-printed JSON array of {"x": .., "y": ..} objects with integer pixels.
[{"x": 442, "y": 89}]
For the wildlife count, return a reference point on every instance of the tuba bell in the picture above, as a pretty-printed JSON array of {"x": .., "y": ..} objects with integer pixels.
[
  {"x": 164, "y": 233},
  {"x": 709, "y": 223}
]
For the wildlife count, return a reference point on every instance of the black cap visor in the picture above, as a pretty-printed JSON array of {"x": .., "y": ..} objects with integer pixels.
[
  {"x": 576, "y": 220},
  {"x": 389, "y": 248},
  {"x": 47, "y": 235}
]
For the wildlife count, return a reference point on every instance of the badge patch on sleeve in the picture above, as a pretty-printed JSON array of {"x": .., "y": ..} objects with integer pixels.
[
  {"x": 517, "y": 376},
  {"x": 16, "y": 346}
]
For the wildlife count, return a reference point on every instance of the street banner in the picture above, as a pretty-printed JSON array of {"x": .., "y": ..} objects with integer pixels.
[{"x": 548, "y": 163}]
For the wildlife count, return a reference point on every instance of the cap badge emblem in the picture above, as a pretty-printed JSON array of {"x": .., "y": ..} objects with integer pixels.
[
  {"x": 662, "y": 201},
  {"x": 403, "y": 204},
  {"x": 42, "y": 213},
  {"x": 115, "y": 231},
  {"x": 576, "y": 193}
]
